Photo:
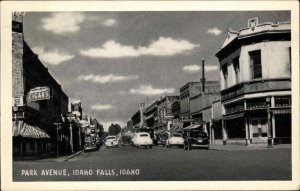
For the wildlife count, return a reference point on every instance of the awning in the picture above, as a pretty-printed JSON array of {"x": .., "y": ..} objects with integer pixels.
[
  {"x": 195, "y": 126},
  {"x": 161, "y": 131},
  {"x": 234, "y": 116},
  {"x": 24, "y": 130},
  {"x": 282, "y": 111},
  {"x": 175, "y": 129}
]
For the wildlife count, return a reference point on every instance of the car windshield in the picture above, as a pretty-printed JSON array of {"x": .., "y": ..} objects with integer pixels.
[
  {"x": 198, "y": 134},
  {"x": 110, "y": 137},
  {"x": 144, "y": 135}
]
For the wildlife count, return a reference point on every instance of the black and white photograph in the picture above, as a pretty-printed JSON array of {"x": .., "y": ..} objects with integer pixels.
[{"x": 161, "y": 95}]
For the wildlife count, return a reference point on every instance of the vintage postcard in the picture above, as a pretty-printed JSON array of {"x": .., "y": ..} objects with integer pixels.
[{"x": 145, "y": 95}]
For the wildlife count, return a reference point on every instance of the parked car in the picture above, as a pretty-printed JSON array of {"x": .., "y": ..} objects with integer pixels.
[
  {"x": 195, "y": 139},
  {"x": 126, "y": 140},
  {"x": 111, "y": 141},
  {"x": 142, "y": 140},
  {"x": 162, "y": 140},
  {"x": 175, "y": 139}
]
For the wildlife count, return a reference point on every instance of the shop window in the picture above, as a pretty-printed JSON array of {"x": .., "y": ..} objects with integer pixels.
[
  {"x": 256, "y": 103},
  {"x": 31, "y": 145},
  {"x": 255, "y": 64},
  {"x": 281, "y": 101},
  {"x": 234, "y": 107},
  {"x": 236, "y": 128}
]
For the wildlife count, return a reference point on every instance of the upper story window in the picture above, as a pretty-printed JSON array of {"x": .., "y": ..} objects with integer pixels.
[
  {"x": 236, "y": 65},
  {"x": 290, "y": 59},
  {"x": 225, "y": 74},
  {"x": 255, "y": 64}
]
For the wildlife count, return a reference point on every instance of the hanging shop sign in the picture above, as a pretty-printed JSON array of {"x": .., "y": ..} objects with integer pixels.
[{"x": 39, "y": 93}]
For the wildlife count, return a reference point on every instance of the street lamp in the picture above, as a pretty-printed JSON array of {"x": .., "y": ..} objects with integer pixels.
[
  {"x": 270, "y": 138},
  {"x": 57, "y": 126}
]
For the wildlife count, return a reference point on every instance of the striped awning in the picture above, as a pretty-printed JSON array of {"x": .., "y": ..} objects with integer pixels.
[
  {"x": 233, "y": 116},
  {"x": 282, "y": 111},
  {"x": 192, "y": 127},
  {"x": 175, "y": 129},
  {"x": 161, "y": 131},
  {"x": 24, "y": 130}
]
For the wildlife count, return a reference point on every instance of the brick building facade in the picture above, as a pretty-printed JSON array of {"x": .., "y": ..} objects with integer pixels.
[{"x": 37, "y": 124}]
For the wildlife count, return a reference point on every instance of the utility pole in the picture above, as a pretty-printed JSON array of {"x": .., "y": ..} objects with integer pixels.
[{"x": 203, "y": 76}]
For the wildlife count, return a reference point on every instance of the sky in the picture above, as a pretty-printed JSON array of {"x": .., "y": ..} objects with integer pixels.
[{"x": 112, "y": 61}]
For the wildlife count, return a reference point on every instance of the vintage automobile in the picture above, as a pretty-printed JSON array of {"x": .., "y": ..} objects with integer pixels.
[
  {"x": 142, "y": 140},
  {"x": 111, "y": 141},
  {"x": 91, "y": 142},
  {"x": 175, "y": 139},
  {"x": 195, "y": 139},
  {"x": 126, "y": 140},
  {"x": 161, "y": 139}
]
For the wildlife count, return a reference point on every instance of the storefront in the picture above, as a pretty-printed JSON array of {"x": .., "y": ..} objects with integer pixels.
[{"x": 29, "y": 139}]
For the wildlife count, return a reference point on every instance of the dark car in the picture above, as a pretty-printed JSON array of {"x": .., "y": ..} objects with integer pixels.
[
  {"x": 126, "y": 140},
  {"x": 195, "y": 139},
  {"x": 162, "y": 140}
]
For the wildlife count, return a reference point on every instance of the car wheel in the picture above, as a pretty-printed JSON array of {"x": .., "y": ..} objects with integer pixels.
[{"x": 150, "y": 147}]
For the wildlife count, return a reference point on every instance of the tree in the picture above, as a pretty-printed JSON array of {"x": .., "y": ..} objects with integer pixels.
[{"x": 114, "y": 129}]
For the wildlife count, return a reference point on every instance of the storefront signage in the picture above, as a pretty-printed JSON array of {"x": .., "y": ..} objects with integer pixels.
[{"x": 39, "y": 93}]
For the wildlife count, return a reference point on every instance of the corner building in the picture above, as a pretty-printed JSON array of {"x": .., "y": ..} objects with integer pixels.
[
  {"x": 35, "y": 123},
  {"x": 255, "y": 76}
]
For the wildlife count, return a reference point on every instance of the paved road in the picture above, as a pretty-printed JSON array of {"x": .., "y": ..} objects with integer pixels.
[{"x": 160, "y": 163}]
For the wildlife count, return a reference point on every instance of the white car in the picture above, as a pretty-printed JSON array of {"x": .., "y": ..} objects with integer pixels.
[
  {"x": 111, "y": 141},
  {"x": 175, "y": 139},
  {"x": 142, "y": 140}
]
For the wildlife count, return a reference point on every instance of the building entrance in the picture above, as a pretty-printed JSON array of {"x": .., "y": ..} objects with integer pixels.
[{"x": 259, "y": 130}]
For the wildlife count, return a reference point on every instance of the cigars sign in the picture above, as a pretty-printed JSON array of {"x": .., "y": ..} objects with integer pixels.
[{"x": 39, "y": 93}]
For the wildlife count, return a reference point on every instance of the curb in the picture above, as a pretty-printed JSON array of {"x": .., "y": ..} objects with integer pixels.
[
  {"x": 69, "y": 157},
  {"x": 247, "y": 149}
]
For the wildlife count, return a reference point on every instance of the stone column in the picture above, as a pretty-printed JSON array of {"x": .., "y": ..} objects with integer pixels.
[
  {"x": 211, "y": 130},
  {"x": 224, "y": 133},
  {"x": 273, "y": 126},
  {"x": 247, "y": 130},
  {"x": 71, "y": 138}
]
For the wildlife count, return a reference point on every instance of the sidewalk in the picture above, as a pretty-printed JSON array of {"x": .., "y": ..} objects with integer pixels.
[
  {"x": 48, "y": 158},
  {"x": 249, "y": 147}
]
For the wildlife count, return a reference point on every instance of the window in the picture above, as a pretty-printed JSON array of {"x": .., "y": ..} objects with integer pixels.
[
  {"x": 236, "y": 65},
  {"x": 225, "y": 74},
  {"x": 290, "y": 57},
  {"x": 255, "y": 64}
]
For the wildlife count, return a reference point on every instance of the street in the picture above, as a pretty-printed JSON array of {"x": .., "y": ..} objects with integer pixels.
[{"x": 128, "y": 163}]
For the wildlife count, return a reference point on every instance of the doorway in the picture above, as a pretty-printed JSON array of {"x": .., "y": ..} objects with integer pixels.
[{"x": 259, "y": 129}]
